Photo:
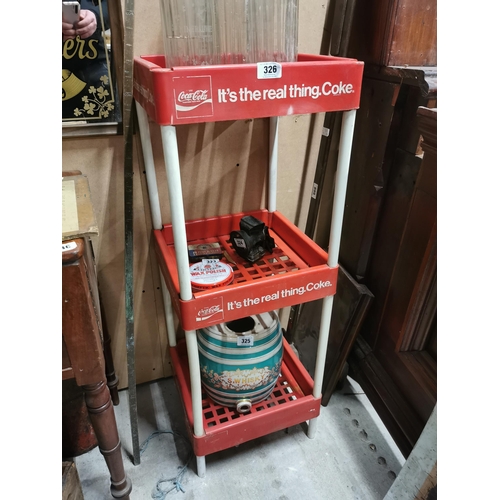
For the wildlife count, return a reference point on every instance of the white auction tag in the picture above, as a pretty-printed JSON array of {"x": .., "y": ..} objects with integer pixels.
[
  {"x": 268, "y": 70},
  {"x": 245, "y": 340},
  {"x": 66, "y": 247},
  {"x": 314, "y": 191},
  {"x": 213, "y": 263}
]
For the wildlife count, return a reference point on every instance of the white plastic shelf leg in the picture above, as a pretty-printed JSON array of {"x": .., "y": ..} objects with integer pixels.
[
  {"x": 194, "y": 373},
  {"x": 154, "y": 201},
  {"x": 169, "y": 313},
  {"x": 273, "y": 164},
  {"x": 172, "y": 166},
  {"x": 149, "y": 164},
  {"x": 344, "y": 158}
]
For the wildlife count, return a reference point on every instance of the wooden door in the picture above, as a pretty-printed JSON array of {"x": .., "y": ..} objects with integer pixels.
[{"x": 395, "y": 358}]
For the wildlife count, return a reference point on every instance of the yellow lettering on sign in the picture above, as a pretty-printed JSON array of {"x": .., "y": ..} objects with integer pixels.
[{"x": 83, "y": 49}]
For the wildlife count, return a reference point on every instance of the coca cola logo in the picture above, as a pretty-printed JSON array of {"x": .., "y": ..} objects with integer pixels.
[
  {"x": 196, "y": 96},
  {"x": 193, "y": 96},
  {"x": 209, "y": 311}
]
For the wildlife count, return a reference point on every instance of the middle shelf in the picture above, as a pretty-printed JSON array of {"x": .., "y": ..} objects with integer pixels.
[{"x": 295, "y": 272}]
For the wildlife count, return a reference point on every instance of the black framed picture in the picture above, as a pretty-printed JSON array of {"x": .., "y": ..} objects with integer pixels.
[{"x": 89, "y": 91}]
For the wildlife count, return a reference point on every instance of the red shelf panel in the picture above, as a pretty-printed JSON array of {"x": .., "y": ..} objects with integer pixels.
[
  {"x": 290, "y": 403},
  {"x": 294, "y": 273},
  {"x": 195, "y": 94}
]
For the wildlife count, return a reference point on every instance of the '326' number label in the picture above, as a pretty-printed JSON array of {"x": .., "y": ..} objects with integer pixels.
[{"x": 268, "y": 70}]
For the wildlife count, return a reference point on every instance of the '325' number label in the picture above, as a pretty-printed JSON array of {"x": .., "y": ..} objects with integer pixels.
[{"x": 245, "y": 340}]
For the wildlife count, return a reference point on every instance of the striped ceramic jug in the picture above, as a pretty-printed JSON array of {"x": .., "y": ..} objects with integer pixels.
[{"x": 241, "y": 360}]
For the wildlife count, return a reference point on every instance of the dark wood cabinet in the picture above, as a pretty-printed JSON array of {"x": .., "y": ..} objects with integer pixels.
[{"x": 394, "y": 32}]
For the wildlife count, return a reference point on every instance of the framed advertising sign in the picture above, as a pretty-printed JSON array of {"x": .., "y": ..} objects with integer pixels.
[{"x": 90, "y": 96}]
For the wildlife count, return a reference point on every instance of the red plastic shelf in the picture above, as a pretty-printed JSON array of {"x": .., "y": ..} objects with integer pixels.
[
  {"x": 294, "y": 273},
  {"x": 290, "y": 403},
  {"x": 195, "y": 94}
]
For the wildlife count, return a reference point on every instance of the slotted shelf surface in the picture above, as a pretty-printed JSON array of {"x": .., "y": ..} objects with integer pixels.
[
  {"x": 290, "y": 403},
  {"x": 214, "y": 414},
  {"x": 281, "y": 261}
]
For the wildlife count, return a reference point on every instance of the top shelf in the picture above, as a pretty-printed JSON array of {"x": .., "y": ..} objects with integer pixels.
[{"x": 197, "y": 94}]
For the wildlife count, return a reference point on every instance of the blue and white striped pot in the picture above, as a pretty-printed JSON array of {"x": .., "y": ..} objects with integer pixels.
[{"x": 240, "y": 375}]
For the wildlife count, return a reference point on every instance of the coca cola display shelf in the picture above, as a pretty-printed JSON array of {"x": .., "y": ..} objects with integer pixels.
[{"x": 296, "y": 271}]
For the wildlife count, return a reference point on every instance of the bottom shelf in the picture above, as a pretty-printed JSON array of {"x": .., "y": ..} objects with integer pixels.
[{"x": 290, "y": 403}]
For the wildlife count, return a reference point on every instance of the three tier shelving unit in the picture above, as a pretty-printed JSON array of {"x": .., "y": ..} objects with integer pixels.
[{"x": 196, "y": 94}]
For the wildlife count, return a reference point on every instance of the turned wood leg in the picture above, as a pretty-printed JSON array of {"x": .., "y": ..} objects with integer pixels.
[
  {"x": 102, "y": 416},
  {"x": 108, "y": 361}
]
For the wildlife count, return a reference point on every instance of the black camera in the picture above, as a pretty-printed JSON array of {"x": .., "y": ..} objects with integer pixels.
[{"x": 252, "y": 241}]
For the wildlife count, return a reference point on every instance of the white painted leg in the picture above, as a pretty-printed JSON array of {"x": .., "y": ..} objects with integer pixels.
[
  {"x": 147, "y": 151},
  {"x": 312, "y": 428},
  {"x": 345, "y": 146},
  {"x": 324, "y": 331},
  {"x": 169, "y": 313},
  {"x": 344, "y": 159},
  {"x": 273, "y": 164},
  {"x": 201, "y": 467},
  {"x": 171, "y": 155},
  {"x": 194, "y": 373}
]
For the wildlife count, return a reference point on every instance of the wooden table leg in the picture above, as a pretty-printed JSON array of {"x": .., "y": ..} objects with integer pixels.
[
  {"x": 108, "y": 360},
  {"x": 102, "y": 416}
]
